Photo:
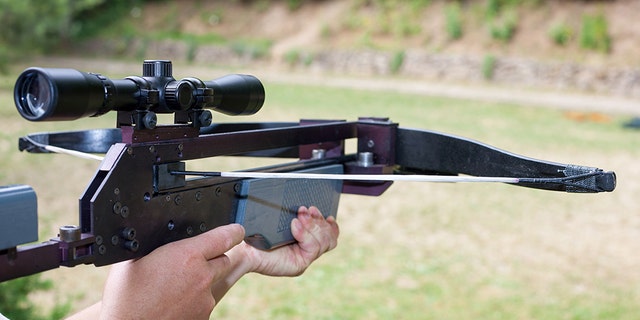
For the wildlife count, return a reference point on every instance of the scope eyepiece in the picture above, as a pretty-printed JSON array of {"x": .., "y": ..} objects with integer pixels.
[{"x": 53, "y": 94}]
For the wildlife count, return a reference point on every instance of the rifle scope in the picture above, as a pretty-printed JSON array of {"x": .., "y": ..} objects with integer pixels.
[{"x": 54, "y": 94}]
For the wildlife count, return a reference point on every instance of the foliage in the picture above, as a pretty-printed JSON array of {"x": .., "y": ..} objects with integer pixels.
[
  {"x": 294, "y": 4},
  {"x": 502, "y": 18},
  {"x": 454, "y": 20},
  {"x": 32, "y": 26},
  {"x": 493, "y": 8},
  {"x": 594, "y": 34},
  {"x": 488, "y": 66},
  {"x": 257, "y": 48},
  {"x": 561, "y": 34},
  {"x": 292, "y": 57},
  {"x": 503, "y": 26},
  {"x": 396, "y": 61},
  {"x": 29, "y": 24},
  {"x": 98, "y": 18},
  {"x": 390, "y": 17},
  {"x": 295, "y": 56},
  {"x": 15, "y": 304}
]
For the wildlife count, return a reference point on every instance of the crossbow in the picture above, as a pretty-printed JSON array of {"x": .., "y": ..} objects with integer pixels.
[{"x": 143, "y": 195}]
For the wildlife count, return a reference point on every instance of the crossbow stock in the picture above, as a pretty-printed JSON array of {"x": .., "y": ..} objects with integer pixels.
[{"x": 142, "y": 195}]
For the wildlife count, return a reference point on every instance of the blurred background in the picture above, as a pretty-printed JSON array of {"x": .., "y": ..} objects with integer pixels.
[{"x": 557, "y": 80}]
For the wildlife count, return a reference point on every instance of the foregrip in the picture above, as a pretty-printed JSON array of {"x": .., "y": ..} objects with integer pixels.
[{"x": 268, "y": 206}]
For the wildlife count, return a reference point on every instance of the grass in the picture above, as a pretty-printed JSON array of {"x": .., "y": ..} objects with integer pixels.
[{"x": 420, "y": 251}]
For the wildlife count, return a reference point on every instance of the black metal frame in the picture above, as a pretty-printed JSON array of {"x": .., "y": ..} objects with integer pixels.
[{"x": 133, "y": 204}]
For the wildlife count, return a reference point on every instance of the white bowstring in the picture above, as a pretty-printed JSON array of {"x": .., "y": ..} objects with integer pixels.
[
  {"x": 364, "y": 177},
  {"x": 74, "y": 153},
  {"x": 318, "y": 176}
]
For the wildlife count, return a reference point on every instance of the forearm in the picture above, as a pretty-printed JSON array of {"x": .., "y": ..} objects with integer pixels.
[{"x": 91, "y": 312}]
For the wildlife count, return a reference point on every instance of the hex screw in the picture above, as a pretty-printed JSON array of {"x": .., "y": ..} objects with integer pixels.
[
  {"x": 203, "y": 227},
  {"x": 371, "y": 143},
  {"x": 117, "y": 207},
  {"x": 124, "y": 212},
  {"x": 128, "y": 233},
  {"x": 178, "y": 200},
  {"x": 132, "y": 245},
  {"x": 198, "y": 196}
]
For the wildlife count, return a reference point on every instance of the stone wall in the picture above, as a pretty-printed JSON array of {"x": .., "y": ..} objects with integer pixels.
[{"x": 415, "y": 63}]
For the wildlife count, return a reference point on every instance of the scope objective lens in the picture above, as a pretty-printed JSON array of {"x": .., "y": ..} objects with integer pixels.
[{"x": 35, "y": 95}]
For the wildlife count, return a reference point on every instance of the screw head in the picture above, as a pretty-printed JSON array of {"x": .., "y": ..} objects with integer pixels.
[
  {"x": 371, "y": 143},
  {"x": 150, "y": 120},
  {"x": 124, "y": 211}
]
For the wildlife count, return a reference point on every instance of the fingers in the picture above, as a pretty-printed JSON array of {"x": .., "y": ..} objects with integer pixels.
[
  {"x": 315, "y": 234},
  {"x": 216, "y": 242},
  {"x": 329, "y": 229}
]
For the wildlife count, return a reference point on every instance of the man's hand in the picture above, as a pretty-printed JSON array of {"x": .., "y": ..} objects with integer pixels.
[
  {"x": 174, "y": 281},
  {"x": 315, "y": 235},
  {"x": 187, "y": 278}
]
